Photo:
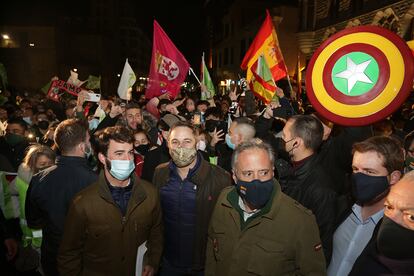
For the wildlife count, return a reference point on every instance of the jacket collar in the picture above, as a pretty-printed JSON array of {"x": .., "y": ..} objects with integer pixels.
[
  {"x": 138, "y": 193},
  {"x": 71, "y": 160}
]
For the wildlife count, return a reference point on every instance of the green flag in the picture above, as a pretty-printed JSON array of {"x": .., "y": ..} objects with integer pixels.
[
  {"x": 93, "y": 82},
  {"x": 46, "y": 87},
  {"x": 207, "y": 90},
  {"x": 3, "y": 75}
]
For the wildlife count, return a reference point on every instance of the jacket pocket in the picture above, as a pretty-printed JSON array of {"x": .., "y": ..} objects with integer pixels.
[
  {"x": 269, "y": 258},
  {"x": 218, "y": 239}
]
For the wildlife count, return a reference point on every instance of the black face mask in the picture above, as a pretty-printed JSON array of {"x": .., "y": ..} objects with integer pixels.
[
  {"x": 395, "y": 241},
  {"x": 368, "y": 189},
  {"x": 256, "y": 193},
  {"x": 43, "y": 125},
  {"x": 143, "y": 149},
  {"x": 210, "y": 125}
]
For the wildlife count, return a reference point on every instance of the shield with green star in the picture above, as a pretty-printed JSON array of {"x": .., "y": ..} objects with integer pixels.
[{"x": 360, "y": 75}]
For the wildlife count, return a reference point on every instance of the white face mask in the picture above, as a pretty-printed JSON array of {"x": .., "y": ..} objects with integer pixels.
[
  {"x": 121, "y": 169},
  {"x": 201, "y": 145}
]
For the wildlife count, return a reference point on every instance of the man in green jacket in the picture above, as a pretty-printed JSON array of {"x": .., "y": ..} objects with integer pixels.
[
  {"x": 255, "y": 228},
  {"x": 110, "y": 219}
]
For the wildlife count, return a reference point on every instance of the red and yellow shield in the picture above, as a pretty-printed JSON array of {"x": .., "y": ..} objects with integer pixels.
[{"x": 360, "y": 75}]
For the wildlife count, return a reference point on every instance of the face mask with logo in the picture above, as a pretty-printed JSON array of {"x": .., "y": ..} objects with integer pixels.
[
  {"x": 121, "y": 169},
  {"x": 183, "y": 156},
  {"x": 201, "y": 145},
  {"x": 229, "y": 142},
  {"x": 395, "y": 241},
  {"x": 142, "y": 149},
  {"x": 368, "y": 189},
  {"x": 256, "y": 193}
]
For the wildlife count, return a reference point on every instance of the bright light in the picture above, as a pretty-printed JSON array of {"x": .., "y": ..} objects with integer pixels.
[
  {"x": 75, "y": 70},
  {"x": 30, "y": 136},
  {"x": 31, "y": 44},
  {"x": 118, "y": 75},
  {"x": 5, "y": 36}
]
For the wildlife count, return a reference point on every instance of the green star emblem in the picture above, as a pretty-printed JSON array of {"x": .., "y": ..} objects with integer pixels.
[{"x": 355, "y": 73}]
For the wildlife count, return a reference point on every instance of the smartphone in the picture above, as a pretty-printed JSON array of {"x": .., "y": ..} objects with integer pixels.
[
  {"x": 197, "y": 119},
  {"x": 93, "y": 97}
]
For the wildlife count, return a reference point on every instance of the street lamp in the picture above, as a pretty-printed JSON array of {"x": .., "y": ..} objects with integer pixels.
[
  {"x": 5, "y": 36},
  {"x": 31, "y": 44},
  {"x": 75, "y": 70}
]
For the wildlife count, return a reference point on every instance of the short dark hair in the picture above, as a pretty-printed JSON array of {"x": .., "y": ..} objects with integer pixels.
[
  {"x": 17, "y": 121},
  {"x": 389, "y": 148},
  {"x": 214, "y": 111},
  {"x": 133, "y": 105},
  {"x": 309, "y": 129},
  {"x": 118, "y": 134},
  {"x": 201, "y": 102},
  {"x": 70, "y": 133},
  {"x": 183, "y": 124}
]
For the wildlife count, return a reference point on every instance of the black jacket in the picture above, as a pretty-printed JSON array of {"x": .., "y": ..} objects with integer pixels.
[
  {"x": 13, "y": 153},
  {"x": 310, "y": 186},
  {"x": 372, "y": 263},
  {"x": 335, "y": 155},
  {"x": 152, "y": 159},
  {"x": 48, "y": 198}
]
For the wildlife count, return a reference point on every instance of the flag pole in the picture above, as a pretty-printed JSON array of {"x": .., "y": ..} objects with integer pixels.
[{"x": 191, "y": 70}]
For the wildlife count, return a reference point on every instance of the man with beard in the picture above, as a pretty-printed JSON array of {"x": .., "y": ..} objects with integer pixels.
[
  {"x": 189, "y": 188},
  {"x": 377, "y": 164},
  {"x": 50, "y": 192},
  {"x": 306, "y": 181}
]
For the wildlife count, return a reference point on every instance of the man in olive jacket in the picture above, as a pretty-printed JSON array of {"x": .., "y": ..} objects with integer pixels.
[
  {"x": 256, "y": 229},
  {"x": 189, "y": 187},
  {"x": 110, "y": 219}
]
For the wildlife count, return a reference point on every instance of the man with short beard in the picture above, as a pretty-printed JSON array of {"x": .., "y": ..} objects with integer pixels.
[{"x": 189, "y": 187}]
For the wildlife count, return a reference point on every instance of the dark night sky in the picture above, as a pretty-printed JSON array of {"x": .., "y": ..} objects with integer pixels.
[{"x": 183, "y": 21}]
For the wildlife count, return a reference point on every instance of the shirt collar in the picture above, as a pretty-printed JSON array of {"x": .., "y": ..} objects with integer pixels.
[{"x": 357, "y": 210}]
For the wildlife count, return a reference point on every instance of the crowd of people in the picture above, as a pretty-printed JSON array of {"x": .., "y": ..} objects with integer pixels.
[{"x": 223, "y": 186}]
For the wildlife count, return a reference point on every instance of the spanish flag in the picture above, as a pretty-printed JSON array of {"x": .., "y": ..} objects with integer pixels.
[
  {"x": 262, "y": 83},
  {"x": 265, "y": 43}
]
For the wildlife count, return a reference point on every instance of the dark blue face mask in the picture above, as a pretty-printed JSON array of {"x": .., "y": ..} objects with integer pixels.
[
  {"x": 256, "y": 193},
  {"x": 368, "y": 188}
]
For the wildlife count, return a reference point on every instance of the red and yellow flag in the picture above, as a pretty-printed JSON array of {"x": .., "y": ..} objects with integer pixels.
[{"x": 265, "y": 43}]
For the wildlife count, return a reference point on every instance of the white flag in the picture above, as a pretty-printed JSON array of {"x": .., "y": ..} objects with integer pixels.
[{"x": 127, "y": 81}]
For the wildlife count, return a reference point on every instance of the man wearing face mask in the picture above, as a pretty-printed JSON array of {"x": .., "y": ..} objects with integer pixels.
[
  {"x": 255, "y": 228},
  {"x": 51, "y": 191},
  {"x": 377, "y": 164},
  {"x": 110, "y": 219},
  {"x": 189, "y": 187},
  {"x": 14, "y": 144},
  {"x": 306, "y": 181},
  {"x": 390, "y": 250}
]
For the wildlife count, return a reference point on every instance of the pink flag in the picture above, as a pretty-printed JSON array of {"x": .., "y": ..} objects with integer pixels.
[{"x": 168, "y": 67}]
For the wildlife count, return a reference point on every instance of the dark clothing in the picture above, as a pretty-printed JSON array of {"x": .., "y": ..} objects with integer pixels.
[
  {"x": 223, "y": 153},
  {"x": 121, "y": 196},
  {"x": 335, "y": 155},
  {"x": 281, "y": 239},
  {"x": 154, "y": 158},
  {"x": 209, "y": 180},
  {"x": 99, "y": 240},
  {"x": 373, "y": 263},
  {"x": 178, "y": 201},
  {"x": 13, "y": 153},
  {"x": 48, "y": 197},
  {"x": 311, "y": 186}
]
